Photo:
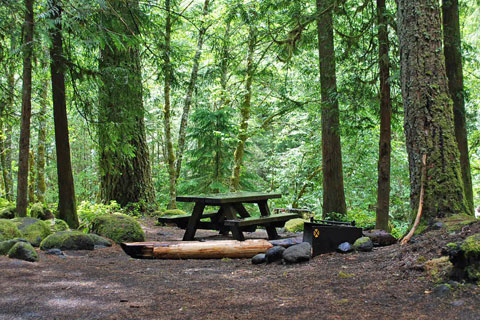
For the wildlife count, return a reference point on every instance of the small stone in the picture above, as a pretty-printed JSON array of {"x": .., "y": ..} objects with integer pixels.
[
  {"x": 441, "y": 290},
  {"x": 363, "y": 244},
  {"x": 458, "y": 303},
  {"x": 274, "y": 254},
  {"x": 259, "y": 259},
  {"x": 298, "y": 253},
  {"x": 345, "y": 247},
  {"x": 23, "y": 251},
  {"x": 55, "y": 251},
  {"x": 437, "y": 225}
]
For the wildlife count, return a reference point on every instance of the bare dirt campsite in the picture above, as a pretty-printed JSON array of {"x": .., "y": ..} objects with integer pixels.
[{"x": 387, "y": 283}]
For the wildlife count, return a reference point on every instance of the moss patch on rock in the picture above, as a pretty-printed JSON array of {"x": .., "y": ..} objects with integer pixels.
[
  {"x": 294, "y": 225},
  {"x": 457, "y": 221},
  {"x": 68, "y": 240},
  {"x": 117, "y": 227},
  {"x": 57, "y": 225},
  {"x": 100, "y": 241},
  {"x": 471, "y": 249},
  {"x": 8, "y": 212},
  {"x": 439, "y": 269},
  {"x": 5, "y": 246},
  {"x": 8, "y": 230},
  {"x": 34, "y": 230},
  {"x": 23, "y": 251},
  {"x": 39, "y": 211}
]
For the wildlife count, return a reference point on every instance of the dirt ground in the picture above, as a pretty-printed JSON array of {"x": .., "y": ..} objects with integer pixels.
[{"x": 387, "y": 283}]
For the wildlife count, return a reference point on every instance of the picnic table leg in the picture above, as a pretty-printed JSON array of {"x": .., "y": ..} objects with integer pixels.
[
  {"x": 219, "y": 218},
  {"x": 229, "y": 213},
  {"x": 193, "y": 221},
  {"x": 265, "y": 212},
  {"x": 241, "y": 210}
]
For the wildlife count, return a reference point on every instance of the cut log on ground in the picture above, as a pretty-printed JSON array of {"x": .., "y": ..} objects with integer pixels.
[{"x": 196, "y": 249}]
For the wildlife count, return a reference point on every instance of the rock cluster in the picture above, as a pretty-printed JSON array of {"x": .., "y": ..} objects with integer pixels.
[{"x": 294, "y": 254}]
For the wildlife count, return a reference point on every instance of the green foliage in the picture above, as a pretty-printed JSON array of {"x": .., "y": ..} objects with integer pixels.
[{"x": 87, "y": 212}]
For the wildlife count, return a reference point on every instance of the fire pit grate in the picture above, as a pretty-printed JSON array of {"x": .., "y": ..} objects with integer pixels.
[{"x": 325, "y": 235}]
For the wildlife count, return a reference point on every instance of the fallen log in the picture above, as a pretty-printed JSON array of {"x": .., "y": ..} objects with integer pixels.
[{"x": 196, "y": 249}]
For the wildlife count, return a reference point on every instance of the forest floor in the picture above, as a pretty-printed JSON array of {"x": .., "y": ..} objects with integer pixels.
[{"x": 387, "y": 283}]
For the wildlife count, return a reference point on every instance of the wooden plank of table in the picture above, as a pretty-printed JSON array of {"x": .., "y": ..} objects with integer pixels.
[
  {"x": 193, "y": 221},
  {"x": 234, "y": 197},
  {"x": 229, "y": 213}
]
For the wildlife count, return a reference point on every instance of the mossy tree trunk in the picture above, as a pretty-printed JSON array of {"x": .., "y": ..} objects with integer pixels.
[
  {"x": 245, "y": 108},
  {"x": 124, "y": 159},
  {"x": 41, "y": 186},
  {"x": 333, "y": 190},
  {"x": 453, "y": 64},
  {"x": 31, "y": 178},
  {"x": 429, "y": 126},
  {"x": 24, "y": 144},
  {"x": 167, "y": 70},
  {"x": 383, "y": 191},
  {"x": 67, "y": 209}
]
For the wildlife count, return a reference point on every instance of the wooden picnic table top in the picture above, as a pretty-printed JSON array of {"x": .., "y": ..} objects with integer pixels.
[{"x": 231, "y": 197}]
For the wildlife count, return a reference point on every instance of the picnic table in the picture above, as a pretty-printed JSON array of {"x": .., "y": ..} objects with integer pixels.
[{"x": 232, "y": 215}]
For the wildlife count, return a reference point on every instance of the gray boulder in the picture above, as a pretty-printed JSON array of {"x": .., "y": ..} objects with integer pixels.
[
  {"x": 380, "y": 237},
  {"x": 259, "y": 259},
  {"x": 298, "y": 253},
  {"x": 345, "y": 247},
  {"x": 23, "y": 251},
  {"x": 274, "y": 254},
  {"x": 363, "y": 244}
]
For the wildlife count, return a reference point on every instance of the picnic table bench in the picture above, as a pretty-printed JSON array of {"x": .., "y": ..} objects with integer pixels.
[{"x": 232, "y": 215}]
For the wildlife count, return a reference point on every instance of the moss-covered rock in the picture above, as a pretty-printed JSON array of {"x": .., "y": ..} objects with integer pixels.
[
  {"x": 8, "y": 230},
  {"x": 471, "y": 249},
  {"x": 34, "y": 230},
  {"x": 6, "y": 245},
  {"x": 294, "y": 225},
  {"x": 118, "y": 227},
  {"x": 439, "y": 269},
  {"x": 363, "y": 244},
  {"x": 8, "y": 212},
  {"x": 39, "y": 211},
  {"x": 57, "y": 225},
  {"x": 100, "y": 241},
  {"x": 68, "y": 240},
  {"x": 23, "y": 251},
  {"x": 457, "y": 221}
]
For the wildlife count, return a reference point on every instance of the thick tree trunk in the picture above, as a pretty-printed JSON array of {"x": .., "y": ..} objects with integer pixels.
[
  {"x": 172, "y": 204},
  {"x": 67, "y": 209},
  {"x": 244, "y": 113},
  {"x": 333, "y": 191},
  {"x": 124, "y": 159},
  {"x": 188, "y": 97},
  {"x": 383, "y": 192},
  {"x": 41, "y": 143},
  {"x": 429, "y": 127},
  {"x": 24, "y": 145},
  {"x": 453, "y": 64}
]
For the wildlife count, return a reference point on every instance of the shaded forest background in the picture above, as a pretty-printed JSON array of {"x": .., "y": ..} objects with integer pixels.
[{"x": 254, "y": 66}]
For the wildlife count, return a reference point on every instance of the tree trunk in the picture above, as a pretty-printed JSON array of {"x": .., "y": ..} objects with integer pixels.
[
  {"x": 124, "y": 159},
  {"x": 429, "y": 127},
  {"x": 383, "y": 191},
  {"x": 31, "y": 178},
  {"x": 244, "y": 112},
  {"x": 24, "y": 145},
  {"x": 453, "y": 64},
  {"x": 42, "y": 137},
  {"x": 333, "y": 191},
  {"x": 172, "y": 204},
  {"x": 188, "y": 97},
  {"x": 67, "y": 209}
]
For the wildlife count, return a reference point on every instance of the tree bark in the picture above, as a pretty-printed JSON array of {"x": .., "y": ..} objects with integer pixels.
[
  {"x": 429, "y": 126},
  {"x": 333, "y": 190},
  {"x": 172, "y": 204},
  {"x": 67, "y": 209},
  {"x": 383, "y": 191},
  {"x": 244, "y": 112},
  {"x": 24, "y": 145},
  {"x": 124, "y": 158},
  {"x": 41, "y": 143},
  {"x": 188, "y": 97},
  {"x": 453, "y": 64},
  {"x": 31, "y": 178}
]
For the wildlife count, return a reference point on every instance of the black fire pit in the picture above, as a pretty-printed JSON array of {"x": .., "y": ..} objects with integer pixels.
[{"x": 325, "y": 236}]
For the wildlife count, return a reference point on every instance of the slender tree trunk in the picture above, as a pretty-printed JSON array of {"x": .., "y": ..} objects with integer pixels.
[
  {"x": 167, "y": 109},
  {"x": 333, "y": 191},
  {"x": 31, "y": 178},
  {"x": 429, "y": 126},
  {"x": 188, "y": 97},
  {"x": 67, "y": 209},
  {"x": 383, "y": 191},
  {"x": 42, "y": 137},
  {"x": 244, "y": 112},
  {"x": 24, "y": 145},
  {"x": 453, "y": 64},
  {"x": 126, "y": 175}
]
